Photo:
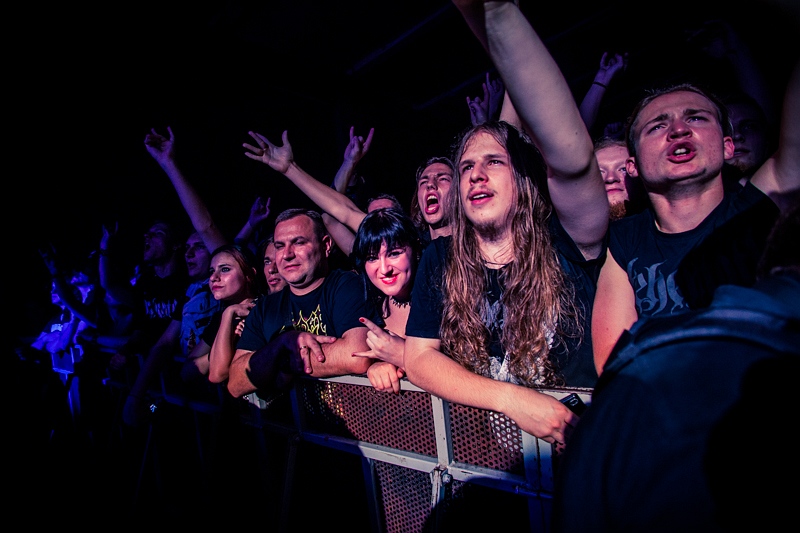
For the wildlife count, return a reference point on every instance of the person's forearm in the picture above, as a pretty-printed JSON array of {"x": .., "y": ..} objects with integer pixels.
[
  {"x": 222, "y": 351},
  {"x": 590, "y": 105},
  {"x": 539, "y": 91},
  {"x": 343, "y": 175},
  {"x": 341, "y": 234},
  {"x": 339, "y": 360},
  {"x": 259, "y": 370},
  {"x": 337, "y": 204},
  {"x": 441, "y": 376},
  {"x": 195, "y": 207},
  {"x": 239, "y": 380},
  {"x": 779, "y": 176},
  {"x": 245, "y": 233}
]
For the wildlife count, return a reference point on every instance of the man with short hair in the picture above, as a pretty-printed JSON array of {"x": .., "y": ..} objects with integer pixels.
[
  {"x": 625, "y": 193},
  {"x": 310, "y": 327},
  {"x": 695, "y": 236}
]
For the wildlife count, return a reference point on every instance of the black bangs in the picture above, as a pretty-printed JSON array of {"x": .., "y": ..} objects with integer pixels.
[{"x": 384, "y": 225}]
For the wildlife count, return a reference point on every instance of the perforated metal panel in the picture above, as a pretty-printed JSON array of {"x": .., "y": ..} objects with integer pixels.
[
  {"x": 435, "y": 466},
  {"x": 486, "y": 439},
  {"x": 405, "y": 497},
  {"x": 402, "y": 421}
]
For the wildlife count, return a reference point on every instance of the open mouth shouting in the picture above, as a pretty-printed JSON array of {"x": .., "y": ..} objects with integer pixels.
[
  {"x": 432, "y": 203},
  {"x": 681, "y": 152}
]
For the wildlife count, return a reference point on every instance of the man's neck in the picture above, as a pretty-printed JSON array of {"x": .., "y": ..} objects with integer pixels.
[
  {"x": 440, "y": 231},
  {"x": 496, "y": 252},
  {"x": 684, "y": 210},
  {"x": 305, "y": 289}
]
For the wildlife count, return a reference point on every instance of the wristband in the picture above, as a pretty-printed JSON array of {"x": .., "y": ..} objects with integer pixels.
[{"x": 600, "y": 84}]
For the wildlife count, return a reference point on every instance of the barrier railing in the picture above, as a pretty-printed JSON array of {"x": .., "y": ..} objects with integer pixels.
[{"x": 423, "y": 455}]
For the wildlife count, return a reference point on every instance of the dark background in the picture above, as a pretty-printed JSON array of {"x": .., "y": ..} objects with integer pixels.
[{"x": 87, "y": 84}]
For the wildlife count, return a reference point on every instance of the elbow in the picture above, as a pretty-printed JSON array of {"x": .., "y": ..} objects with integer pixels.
[
  {"x": 216, "y": 377},
  {"x": 236, "y": 388}
]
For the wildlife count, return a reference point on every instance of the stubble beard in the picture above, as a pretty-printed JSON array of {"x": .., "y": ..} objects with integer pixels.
[{"x": 489, "y": 231}]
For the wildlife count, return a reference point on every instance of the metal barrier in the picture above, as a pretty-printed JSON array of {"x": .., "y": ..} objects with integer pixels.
[{"x": 422, "y": 455}]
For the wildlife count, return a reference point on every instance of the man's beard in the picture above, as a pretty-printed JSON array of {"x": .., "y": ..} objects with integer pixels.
[
  {"x": 617, "y": 210},
  {"x": 489, "y": 231}
]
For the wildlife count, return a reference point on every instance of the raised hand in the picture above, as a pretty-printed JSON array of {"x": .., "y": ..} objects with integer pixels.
[
  {"x": 497, "y": 90},
  {"x": 259, "y": 212},
  {"x": 610, "y": 66},
  {"x": 238, "y": 312},
  {"x": 479, "y": 107},
  {"x": 159, "y": 147},
  {"x": 358, "y": 146},
  {"x": 384, "y": 344},
  {"x": 109, "y": 233},
  {"x": 277, "y": 157}
]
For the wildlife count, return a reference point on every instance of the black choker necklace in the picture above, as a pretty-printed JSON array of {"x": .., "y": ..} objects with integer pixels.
[
  {"x": 398, "y": 303},
  {"x": 485, "y": 262}
]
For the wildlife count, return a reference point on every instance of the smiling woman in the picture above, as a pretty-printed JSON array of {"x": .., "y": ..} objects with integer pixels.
[{"x": 387, "y": 251}]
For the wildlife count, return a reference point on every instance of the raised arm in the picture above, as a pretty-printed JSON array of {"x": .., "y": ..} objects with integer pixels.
[
  {"x": 259, "y": 213},
  {"x": 610, "y": 66},
  {"x": 356, "y": 149},
  {"x": 343, "y": 236},
  {"x": 118, "y": 289},
  {"x": 281, "y": 158},
  {"x": 544, "y": 102},
  {"x": 779, "y": 176},
  {"x": 162, "y": 149}
]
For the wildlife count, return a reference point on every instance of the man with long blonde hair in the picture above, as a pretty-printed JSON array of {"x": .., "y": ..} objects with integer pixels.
[{"x": 517, "y": 275}]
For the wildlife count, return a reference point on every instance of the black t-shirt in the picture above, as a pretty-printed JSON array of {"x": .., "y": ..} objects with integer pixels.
[
  {"x": 575, "y": 361},
  {"x": 331, "y": 309},
  {"x": 674, "y": 272},
  {"x": 161, "y": 300}
]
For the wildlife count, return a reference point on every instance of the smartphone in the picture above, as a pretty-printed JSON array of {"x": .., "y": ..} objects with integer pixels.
[{"x": 575, "y": 403}]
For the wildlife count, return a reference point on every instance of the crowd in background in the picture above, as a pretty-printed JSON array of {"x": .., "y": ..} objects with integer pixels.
[{"x": 598, "y": 239}]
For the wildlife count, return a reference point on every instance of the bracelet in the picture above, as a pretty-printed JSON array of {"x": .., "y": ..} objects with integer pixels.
[{"x": 600, "y": 84}]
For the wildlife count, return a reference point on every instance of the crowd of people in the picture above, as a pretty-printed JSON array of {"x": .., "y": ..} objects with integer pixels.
[{"x": 538, "y": 254}]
